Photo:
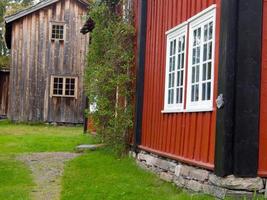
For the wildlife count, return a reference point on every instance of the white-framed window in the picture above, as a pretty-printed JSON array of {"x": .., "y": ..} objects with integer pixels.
[
  {"x": 193, "y": 62},
  {"x": 175, "y": 69},
  {"x": 200, "y": 79},
  {"x": 57, "y": 31},
  {"x": 63, "y": 86}
]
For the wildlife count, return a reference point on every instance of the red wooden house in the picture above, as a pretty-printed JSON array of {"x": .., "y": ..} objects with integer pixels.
[{"x": 201, "y": 83}]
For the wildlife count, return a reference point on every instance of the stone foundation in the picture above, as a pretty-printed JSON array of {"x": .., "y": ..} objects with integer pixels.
[{"x": 199, "y": 180}]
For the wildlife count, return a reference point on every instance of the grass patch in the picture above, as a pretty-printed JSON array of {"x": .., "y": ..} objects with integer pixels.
[
  {"x": 99, "y": 175},
  {"x": 15, "y": 179},
  {"x": 22, "y": 138}
]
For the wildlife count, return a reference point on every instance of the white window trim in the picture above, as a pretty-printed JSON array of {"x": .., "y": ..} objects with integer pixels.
[
  {"x": 209, "y": 12},
  {"x": 64, "y": 30},
  {"x": 64, "y": 87},
  {"x": 200, "y": 106},
  {"x": 175, "y": 34}
]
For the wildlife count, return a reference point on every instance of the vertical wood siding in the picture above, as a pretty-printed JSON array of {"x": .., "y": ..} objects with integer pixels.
[
  {"x": 189, "y": 137},
  {"x": 4, "y": 86},
  {"x": 35, "y": 58},
  {"x": 263, "y": 105}
]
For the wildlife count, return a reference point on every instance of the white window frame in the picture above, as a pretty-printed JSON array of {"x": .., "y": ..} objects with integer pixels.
[
  {"x": 64, "y": 86},
  {"x": 175, "y": 34},
  {"x": 208, "y": 15},
  {"x": 188, "y": 27},
  {"x": 57, "y": 23}
]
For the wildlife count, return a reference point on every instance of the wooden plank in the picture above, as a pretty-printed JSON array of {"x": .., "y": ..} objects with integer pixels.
[
  {"x": 35, "y": 58},
  {"x": 181, "y": 134}
]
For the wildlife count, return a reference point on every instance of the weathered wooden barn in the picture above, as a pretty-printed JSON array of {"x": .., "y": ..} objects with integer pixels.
[
  {"x": 201, "y": 83},
  {"x": 48, "y": 61},
  {"x": 4, "y": 88}
]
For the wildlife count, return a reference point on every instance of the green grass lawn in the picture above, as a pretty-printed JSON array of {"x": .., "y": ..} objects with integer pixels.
[
  {"x": 21, "y": 138},
  {"x": 93, "y": 176},
  {"x": 99, "y": 175},
  {"x": 15, "y": 179}
]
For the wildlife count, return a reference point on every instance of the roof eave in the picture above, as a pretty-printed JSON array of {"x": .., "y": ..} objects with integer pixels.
[
  {"x": 34, "y": 8},
  {"x": 28, "y": 11}
]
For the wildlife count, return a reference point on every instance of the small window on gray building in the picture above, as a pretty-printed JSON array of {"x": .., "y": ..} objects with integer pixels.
[
  {"x": 57, "y": 31},
  {"x": 63, "y": 86}
]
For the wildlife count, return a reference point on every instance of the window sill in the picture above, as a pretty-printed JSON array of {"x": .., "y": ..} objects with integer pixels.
[
  {"x": 63, "y": 96},
  {"x": 172, "y": 111},
  {"x": 191, "y": 110}
]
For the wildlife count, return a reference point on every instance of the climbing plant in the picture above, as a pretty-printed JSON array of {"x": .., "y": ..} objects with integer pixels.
[
  {"x": 109, "y": 74},
  {"x": 8, "y": 7}
]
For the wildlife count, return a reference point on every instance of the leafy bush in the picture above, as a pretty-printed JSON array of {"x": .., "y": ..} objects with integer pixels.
[
  {"x": 109, "y": 76},
  {"x": 4, "y": 62}
]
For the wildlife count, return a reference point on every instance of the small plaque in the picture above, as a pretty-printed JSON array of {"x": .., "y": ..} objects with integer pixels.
[{"x": 220, "y": 101}]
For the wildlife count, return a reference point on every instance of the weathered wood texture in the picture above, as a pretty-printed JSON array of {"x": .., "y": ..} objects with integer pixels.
[
  {"x": 189, "y": 137},
  {"x": 4, "y": 87},
  {"x": 35, "y": 58}
]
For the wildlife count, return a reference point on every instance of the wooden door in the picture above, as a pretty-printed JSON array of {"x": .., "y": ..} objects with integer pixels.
[{"x": 4, "y": 88}]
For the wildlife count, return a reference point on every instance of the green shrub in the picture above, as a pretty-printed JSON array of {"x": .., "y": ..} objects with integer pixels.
[{"x": 109, "y": 75}]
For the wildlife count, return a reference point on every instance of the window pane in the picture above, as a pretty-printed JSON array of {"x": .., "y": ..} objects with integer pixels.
[
  {"x": 182, "y": 77},
  {"x": 193, "y": 75},
  {"x": 177, "y": 95},
  {"x": 195, "y": 38},
  {"x": 72, "y": 92},
  {"x": 206, "y": 32},
  {"x": 194, "y": 56},
  {"x": 197, "y": 93},
  {"x": 210, "y": 51},
  {"x": 210, "y": 30},
  {"x": 198, "y": 39},
  {"x": 204, "y": 91},
  {"x": 179, "y": 61},
  {"x": 209, "y": 70},
  {"x": 174, "y": 47},
  {"x": 183, "y": 43},
  {"x": 172, "y": 84},
  {"x": 182, "y": 61},
  {"x": 204, "y": 73},
  {"x": 197, "y": 73},
  {"x": 193, "y": 93},
  {"x": 173, "y": 63},
  {"x": 172, "y": 93},
  {"x": 181, "y": 95},
  {"x": 205, "y": 52},
  {"x": 171, "y": 48},
  {"x": 170, "y": 67},
  {"x": 208, "y": 91},
  {"x": 170, "y": 80},
  {"x": 198, "y": 55},
  {"x": 178, "y": 78}
]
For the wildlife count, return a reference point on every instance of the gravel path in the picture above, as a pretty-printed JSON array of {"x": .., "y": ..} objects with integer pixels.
[{"x": 47, "y": 169}]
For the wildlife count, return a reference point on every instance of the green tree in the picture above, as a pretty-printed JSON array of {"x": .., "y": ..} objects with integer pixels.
[
  {"x": 108, "y": 76},
  {"x": 8, "y": 7}
]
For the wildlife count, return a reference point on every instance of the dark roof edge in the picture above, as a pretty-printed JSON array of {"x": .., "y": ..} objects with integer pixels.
[{"x": 34, "y": 8}]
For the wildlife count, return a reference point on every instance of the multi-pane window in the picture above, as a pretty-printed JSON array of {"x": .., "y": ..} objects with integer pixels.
[
  {"x": 175, "y": 72},
  {"x": 201, "y": 62},
  {"x": 64, "y": 86},
  {"x": 197, "y": 60},
  {"x": 70, "y": 87},
  {"x": 57, "y": 31},
  {"x": 58, "y": 86}
]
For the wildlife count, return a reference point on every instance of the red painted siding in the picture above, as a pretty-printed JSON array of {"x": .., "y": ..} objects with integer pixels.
[
  {"x": 263, "y": 109},
  {"x": 189, "y": 137}
]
